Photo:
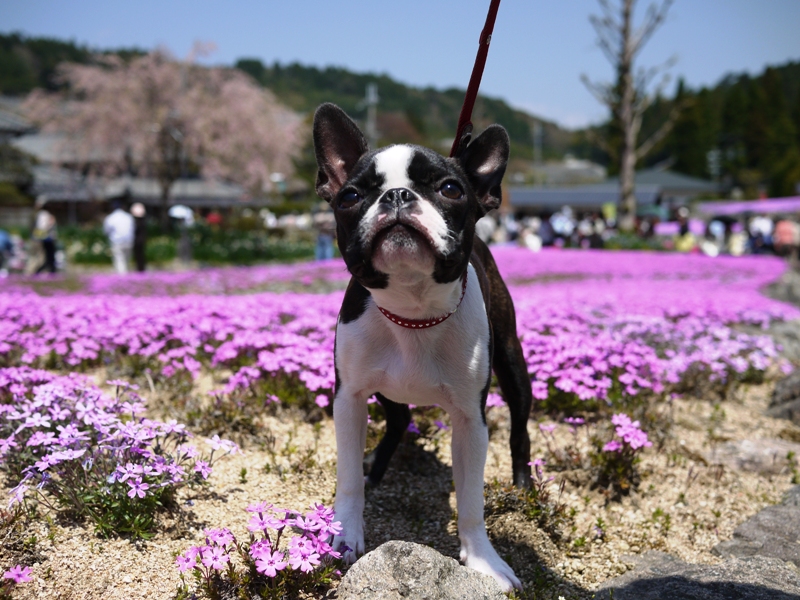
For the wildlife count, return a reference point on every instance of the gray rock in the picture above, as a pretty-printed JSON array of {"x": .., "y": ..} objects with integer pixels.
[
  {"x": 772, "y": 532},
  {"x": 659, "y": 576},
  {"x": 403, "y": 570},
  {"x": 785, "y": 403},
  {"x": 787, "y": 335},
  {"x": 765, "y": 455}
]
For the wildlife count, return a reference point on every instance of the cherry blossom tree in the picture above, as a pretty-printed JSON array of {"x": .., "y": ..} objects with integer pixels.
[{"x": 154, "y": 114}]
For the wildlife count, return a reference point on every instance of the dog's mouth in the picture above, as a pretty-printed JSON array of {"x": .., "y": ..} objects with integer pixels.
[
  {"x": 400, "y": 246},
  {"x": 401, "y": 232}
]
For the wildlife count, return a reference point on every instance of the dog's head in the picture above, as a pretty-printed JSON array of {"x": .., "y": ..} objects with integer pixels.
[{"x": 405, "y": 211}]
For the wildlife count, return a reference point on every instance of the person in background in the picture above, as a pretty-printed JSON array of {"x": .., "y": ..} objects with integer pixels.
[
  {"x": 786, "y": 238},
  {"x": 325, "y": 225},
  {"x": 214, "y": 219},
  {"x": 45, "y": 231},
  {"x": 737, "y": 240},
  {"x": 761, "y": 228},
  {"x": 119, "y": 227},
  {"x": 6, "y": 247},
  {"x": 685, "y": 240},
  {"x": 139, "y": 236}
]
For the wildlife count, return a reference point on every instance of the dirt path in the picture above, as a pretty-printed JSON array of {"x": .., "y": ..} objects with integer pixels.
[{"x": 685, "y": 505}]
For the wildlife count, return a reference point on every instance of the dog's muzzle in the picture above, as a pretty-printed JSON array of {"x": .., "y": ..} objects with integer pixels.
[{"x": 397, "y": 197}]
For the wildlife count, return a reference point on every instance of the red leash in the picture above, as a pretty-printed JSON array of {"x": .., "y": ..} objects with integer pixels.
[{"x": 464, "y": 128}]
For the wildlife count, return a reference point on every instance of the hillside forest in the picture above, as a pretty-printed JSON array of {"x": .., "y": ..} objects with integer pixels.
[{"x": 743, "y": 131}]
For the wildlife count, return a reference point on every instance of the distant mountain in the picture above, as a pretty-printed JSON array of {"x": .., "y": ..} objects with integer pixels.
[
  {"x": 744, "y": 131},
  {"x": 422, "y": 115},
  {"x": 405, "y": 113}
]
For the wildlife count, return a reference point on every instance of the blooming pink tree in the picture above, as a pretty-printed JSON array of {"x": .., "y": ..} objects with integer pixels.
[{"x": 156, "y": 115}]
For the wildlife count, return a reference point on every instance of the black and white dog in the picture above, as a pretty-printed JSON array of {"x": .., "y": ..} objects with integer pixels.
[{"x": 426, "y": 316}]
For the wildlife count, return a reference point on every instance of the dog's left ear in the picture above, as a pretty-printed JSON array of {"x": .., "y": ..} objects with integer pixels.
[
  {"x": 338, "y": 144},
  {"x": 484, "y": 161}
]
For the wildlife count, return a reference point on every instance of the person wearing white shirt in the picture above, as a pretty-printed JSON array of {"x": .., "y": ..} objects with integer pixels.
[{"x": 119, "y": 227}]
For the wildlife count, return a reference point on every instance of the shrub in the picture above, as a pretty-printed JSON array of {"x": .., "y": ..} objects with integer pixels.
[
  {"x": 537, "y": 504},
  {"x": 615, "y": 460},
  {"x": 85, "y": 454},
  {"x": 304, "y": 563}
]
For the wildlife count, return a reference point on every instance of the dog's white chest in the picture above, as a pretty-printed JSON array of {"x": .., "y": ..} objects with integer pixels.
[{"x": 446, "y": 365}]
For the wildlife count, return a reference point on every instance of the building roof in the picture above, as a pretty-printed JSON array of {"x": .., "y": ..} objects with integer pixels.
[
  {"x": 54, "y": 184},
  {"x": 192, "y": 192},
  {"x": 12, "y": 123},
  {"x": 53, "y": 148},
  {"x": 581, "y": 196},
  {"x": 672, "y": 183}
]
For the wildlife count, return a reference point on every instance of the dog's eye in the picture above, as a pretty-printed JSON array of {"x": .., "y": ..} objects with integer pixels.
[
  {"x": 349, "y": 199},
  {"x": 451, "y": 190}
]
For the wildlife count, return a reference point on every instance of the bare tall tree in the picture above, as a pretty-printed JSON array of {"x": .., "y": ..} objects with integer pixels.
[{"x": 628, "y": 97}]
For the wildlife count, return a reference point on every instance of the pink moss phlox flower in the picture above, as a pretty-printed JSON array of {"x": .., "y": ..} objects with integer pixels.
[
  {"x": 138, "y": 488},
  {"x": 214, "y": 557},
  {"x": 269, "y": 563},
  {"x": 184, "y": 562},
  {"x": 8, "y": 444},
  {"x": 221, "y": 537},
  {"x": 612, "y": 446},
  {"x": 261, "y": 507},
  {"x": 18, "y": 574},
  {"x": 258, "y": 523},
  {"x": 630, "y": 432},
  {"x": 259, "y": 548},
  {"x": 494, "y": 399},
  {"x": 225, "y": 445},
  {"x": 17, "y": 494},
  {"x": 202, "y": 467},
  {"x": 302, "y": 554}
]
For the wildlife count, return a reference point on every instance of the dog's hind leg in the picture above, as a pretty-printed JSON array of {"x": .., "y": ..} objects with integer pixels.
[
  {"x": 509, "y": 365},
  {"x": 398, "y": 416}
]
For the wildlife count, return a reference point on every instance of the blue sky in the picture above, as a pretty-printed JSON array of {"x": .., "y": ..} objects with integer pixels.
[{"x": 539, "y": 50}]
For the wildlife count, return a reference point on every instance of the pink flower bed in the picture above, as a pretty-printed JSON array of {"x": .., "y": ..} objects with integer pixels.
[{"x": 592, "y": 322}]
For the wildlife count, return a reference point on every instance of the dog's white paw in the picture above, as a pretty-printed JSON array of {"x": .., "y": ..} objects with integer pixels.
[
  {"x": 350, "y": 547},
  {"x": 489, "y": 563},
  {"x": 351, "y": 542}
]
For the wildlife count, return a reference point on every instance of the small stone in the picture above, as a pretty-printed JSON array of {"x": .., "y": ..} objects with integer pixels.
[{"x": 403, "y": 570}]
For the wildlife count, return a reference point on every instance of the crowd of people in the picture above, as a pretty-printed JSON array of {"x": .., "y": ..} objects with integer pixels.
[
  {"x": 126, "y": 231},
  {"x": 747, "y": 234}
]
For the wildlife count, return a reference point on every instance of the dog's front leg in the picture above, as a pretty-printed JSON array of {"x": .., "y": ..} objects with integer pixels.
[
  {"x": 470, "y": 443},
  {"x": 350, "y": 420}
]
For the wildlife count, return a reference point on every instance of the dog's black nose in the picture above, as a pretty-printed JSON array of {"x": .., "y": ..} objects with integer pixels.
[{"x": 397, "y": 196}]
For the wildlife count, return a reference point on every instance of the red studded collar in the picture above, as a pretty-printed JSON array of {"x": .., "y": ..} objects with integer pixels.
[{"x": 424, "y": 323}]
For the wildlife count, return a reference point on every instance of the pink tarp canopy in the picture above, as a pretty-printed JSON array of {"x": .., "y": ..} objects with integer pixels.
[{"x": 769, "y": 205}]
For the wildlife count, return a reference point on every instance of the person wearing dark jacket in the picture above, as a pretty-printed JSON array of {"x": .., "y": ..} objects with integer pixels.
[{"x": 139, "y": 236}]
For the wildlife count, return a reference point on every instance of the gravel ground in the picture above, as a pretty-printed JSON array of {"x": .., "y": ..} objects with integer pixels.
[{"x": 685, "y": 505}]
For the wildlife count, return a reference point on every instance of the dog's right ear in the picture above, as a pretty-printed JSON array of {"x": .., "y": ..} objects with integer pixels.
[{"x": 338, "y": 144}]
